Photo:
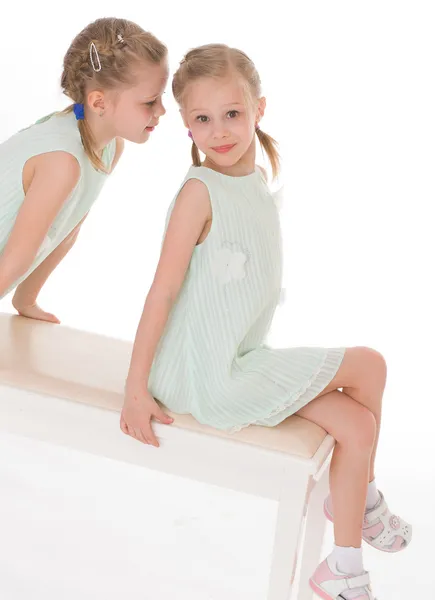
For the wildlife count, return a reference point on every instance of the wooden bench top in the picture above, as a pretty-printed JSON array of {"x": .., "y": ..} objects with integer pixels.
[{"x": 84, "y": 367}]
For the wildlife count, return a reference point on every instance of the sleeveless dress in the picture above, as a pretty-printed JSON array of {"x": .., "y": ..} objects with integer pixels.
[
  {"x": 51, "y": 133},
  {"x": 212, "y": 360}
]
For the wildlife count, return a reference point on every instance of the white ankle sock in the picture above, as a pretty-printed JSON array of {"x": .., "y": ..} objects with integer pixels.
[
  {"x": 372, "y": 495},
  {"x": 349, "y": 561}
]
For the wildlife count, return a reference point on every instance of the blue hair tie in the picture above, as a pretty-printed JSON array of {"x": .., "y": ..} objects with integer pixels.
[{"x": 79, "y": 111}]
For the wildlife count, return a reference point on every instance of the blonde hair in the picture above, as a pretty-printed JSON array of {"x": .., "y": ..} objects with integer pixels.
[
  {"x": 119, "y": 45},
  {"x": 219, "y": 60}
]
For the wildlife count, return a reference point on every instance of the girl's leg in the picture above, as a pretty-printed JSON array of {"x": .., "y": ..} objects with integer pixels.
[
  {"x": 362, "y": 376},
  {"x": 353, "y": 427}
]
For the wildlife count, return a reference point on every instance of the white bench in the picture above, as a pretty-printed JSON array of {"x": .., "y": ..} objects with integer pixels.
[{"x": 66, "y": 387}]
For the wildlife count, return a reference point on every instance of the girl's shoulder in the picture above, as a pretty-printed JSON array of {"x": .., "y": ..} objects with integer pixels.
[
  {"x": 61, "y": 123},
  {"x": 209, "y": 175},
  {"x": 56, "y": 131}
]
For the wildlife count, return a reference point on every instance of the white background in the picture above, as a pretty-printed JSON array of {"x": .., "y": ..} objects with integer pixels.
[{"x": 350, "y": 90}]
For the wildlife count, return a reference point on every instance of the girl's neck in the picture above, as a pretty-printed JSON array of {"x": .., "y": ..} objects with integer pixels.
[{"x": 98, "y": 126}]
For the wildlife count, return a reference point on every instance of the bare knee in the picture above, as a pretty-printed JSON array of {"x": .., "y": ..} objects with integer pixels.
[
  {"x": 375, "y": 361},
  {"x": 359, "y": 433},
  {"x": 362, "y": 367}
]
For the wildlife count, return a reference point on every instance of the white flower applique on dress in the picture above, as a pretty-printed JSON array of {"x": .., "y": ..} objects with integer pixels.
[{"x": 229, "y": 263}]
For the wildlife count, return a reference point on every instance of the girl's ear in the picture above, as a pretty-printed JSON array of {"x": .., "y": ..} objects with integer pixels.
[
  {"x": 261, "y": 108},
  {"x": 96, "y": 101}
]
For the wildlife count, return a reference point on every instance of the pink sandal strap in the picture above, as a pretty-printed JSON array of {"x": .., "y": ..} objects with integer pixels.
[
  {"x": 329, "y": 584},
  {"x": 381, "y": 529},
  {"x": 385, "y": 531}
]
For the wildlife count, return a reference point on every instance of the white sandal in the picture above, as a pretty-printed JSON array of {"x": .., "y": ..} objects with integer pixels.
[
  {"x": 329, "y": 584},
  {"x": 381, "y": 529}
]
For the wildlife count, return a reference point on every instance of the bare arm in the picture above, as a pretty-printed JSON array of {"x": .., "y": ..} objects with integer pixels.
[
  {"x": 191, "y": 212},
  {"x": 26, "y": 294},
  {"x": 55, "y": 176}
]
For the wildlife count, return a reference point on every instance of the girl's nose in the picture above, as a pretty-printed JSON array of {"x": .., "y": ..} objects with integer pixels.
[
  {"x": 220, "y": 131},
  {"x": 160, "y": 110}
]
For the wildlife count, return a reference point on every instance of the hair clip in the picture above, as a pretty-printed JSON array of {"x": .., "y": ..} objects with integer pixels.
[
  {"x": 120, "y": 38},
  {"x": 94, "y": 48}
]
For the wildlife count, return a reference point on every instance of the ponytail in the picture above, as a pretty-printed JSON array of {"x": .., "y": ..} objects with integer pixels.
[
  {"x": 270, "y": 146},
  {"x": 196, "y": 159}
]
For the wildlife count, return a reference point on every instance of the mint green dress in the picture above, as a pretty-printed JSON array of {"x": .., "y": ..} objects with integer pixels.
[
  {"x": 56, "y": 132},
  {"x": 212, "y": 360}
]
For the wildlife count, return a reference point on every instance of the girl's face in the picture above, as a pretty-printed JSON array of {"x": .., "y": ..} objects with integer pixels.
[
  {"x": 222, "y": 116},
  {"x": 136, "y": 110}
]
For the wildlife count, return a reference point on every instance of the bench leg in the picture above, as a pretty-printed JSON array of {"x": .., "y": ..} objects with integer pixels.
[
  {"x": 314, "y": 535},
  {"x": 288, "y": 525}
]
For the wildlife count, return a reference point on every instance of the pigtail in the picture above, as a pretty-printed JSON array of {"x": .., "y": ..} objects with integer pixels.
[
  {"x": 88, "y": 142},
  {"x": 270, "y": 146},
  {"x": 196, "y": 159}
]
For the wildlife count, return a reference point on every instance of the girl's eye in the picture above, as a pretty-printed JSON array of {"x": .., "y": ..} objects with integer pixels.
[
  {"x": 155, "y": 100},
  {"x": 233, "y": 113},
  {"x": 202, "y": 118}
]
